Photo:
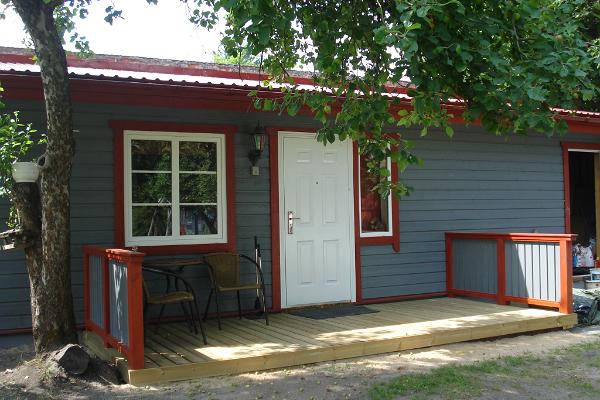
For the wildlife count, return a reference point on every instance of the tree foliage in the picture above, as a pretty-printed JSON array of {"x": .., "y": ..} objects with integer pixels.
[
  {"x": 16, "y": 141},
  {"x": 509, "y": 63},
  {"x": 242, "y": 57}
]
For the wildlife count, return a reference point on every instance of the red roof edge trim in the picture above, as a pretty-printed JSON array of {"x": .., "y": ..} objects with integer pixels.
[{"x": 122, "y": 63}]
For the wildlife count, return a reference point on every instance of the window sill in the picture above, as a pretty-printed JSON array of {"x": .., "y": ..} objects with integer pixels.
[{"x": 173, "y": 249}]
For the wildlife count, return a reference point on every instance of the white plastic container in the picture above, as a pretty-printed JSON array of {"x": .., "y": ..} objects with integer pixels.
[{"x": 25, "y": 172}]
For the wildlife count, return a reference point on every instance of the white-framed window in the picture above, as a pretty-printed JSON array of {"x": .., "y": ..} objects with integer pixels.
[
  {"x": 375, "y": 211},
  {"x": 174, "y": 188}
]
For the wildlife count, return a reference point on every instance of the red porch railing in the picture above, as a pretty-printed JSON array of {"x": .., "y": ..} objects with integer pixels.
[
  {"x": 113, "y": 302},
  {"x": 530, "y": 268}
]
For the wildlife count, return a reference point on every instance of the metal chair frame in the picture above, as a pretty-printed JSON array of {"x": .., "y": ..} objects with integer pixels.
[
  {"x": 260, "y": 287},
  {"x": 191, "y": 316}
]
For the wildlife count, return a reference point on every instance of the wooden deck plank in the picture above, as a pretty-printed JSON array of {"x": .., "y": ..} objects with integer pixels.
[
  {"x": 295, "y": 336},
  {"x": 272, "y": 333},
  {"x": 329, "y": 325},
  {"x": 249, "y": 345},
  {"x": 171, "y": 338},
  {"x": 166, "y": 353},
  {"x": 305, "y": 325}
]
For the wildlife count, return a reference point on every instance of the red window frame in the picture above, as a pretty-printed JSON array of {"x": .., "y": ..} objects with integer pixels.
[
  {"x": 229, "y": 131},
  {"x": 394, "y": 238}
]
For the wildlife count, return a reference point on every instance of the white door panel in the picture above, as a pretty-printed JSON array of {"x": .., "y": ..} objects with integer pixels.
[{"x": 316, "y": 186}]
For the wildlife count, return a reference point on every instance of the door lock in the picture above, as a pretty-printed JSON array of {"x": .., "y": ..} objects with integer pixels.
[{"x": 291, "y": 219}]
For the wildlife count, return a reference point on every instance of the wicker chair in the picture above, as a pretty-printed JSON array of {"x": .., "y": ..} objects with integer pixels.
[
  {"x": 186, "y": 298},
  {"x": 224, "y": 270}
]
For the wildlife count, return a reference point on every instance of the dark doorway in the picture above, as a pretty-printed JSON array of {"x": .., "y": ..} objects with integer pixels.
[{"x": 582, "y": 192}]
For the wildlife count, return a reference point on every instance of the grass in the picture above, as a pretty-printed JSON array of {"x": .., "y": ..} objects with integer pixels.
[
  {"x": 450, "y": 380},
  {"x": 573, "y": 371}
]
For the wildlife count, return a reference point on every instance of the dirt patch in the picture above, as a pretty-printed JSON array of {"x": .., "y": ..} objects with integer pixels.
[
  {"x": 42, "y": 378},
  {"x": 347, "y": 379}
]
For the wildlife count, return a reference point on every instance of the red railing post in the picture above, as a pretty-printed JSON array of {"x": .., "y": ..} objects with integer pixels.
[
  {"x": 501, "y": 270},
  {"x": 566, "y": 277},
  {"x": 135, "y": 353},
  {"x": 449, "y": 265}
]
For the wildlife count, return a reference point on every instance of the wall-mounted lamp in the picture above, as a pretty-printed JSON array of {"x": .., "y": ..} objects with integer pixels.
[{"x": 258, "y": 138}]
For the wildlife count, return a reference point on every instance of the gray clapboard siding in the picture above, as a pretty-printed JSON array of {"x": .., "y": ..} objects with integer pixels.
[
  {"x": 119, "y": 310},
  {"x": 533, "y": 270},
  {"x": 475, "y": 182},
  {"x": 96, "y": 285},
  {"x": 475, "y": 265}
]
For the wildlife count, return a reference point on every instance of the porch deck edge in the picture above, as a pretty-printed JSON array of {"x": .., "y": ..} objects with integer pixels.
[{"x": 350, "y": 350}]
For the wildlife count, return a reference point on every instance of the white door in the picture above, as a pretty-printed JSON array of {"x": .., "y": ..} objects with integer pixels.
[{"x": 316, "y": 219}]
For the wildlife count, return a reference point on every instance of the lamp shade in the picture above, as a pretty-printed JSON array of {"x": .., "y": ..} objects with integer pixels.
[{"x": 258, "y": 138}]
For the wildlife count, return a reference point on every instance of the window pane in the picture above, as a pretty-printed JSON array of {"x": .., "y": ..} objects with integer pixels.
[
  {"x": 198, "y": 220},
  {"x": 373, "y": 209},
  {"x": 151, "y": 188},
  {"x": 197, "y": 188},
  {"x": 197, "y": 156},
  {"x": 151, "y": 221},
  {"x": 151, "y": 155}
]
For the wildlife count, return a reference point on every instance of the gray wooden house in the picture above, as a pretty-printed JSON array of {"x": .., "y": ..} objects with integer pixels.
[{"x": 490, "y": 217}]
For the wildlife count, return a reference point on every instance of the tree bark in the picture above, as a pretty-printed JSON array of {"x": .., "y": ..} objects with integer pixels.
[{"x": 48, "y": 262}]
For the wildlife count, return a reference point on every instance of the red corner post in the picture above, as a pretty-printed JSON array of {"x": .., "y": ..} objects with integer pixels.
[
  {"x": 566, "y": 277},
  {"x": 135, "y": 351}
]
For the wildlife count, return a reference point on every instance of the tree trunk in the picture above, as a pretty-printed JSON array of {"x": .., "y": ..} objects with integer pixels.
[{"x": 48, "y": 262}]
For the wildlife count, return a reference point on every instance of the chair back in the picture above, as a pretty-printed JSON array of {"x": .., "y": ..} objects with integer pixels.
[
  {"x": 146, "y": 290},
  {"x": 224, "y": 268}
]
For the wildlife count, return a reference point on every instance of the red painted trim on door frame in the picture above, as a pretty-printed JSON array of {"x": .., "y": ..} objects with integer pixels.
[
  {"x": 567, "y": 177},
  {"x": 275, "y": 240},
  {"x": 357, "y": 241},
  {"x": 273, "y": 131},
  {"x": 228, "y": 130}
]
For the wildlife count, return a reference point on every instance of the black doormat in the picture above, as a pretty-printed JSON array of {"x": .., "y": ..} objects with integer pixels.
[{"x": 345, "y": 310}]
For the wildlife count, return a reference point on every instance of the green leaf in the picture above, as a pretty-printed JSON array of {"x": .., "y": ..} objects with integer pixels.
[
  {"x": 536, "y": 93},
  {"x": 414, "y": 26},
  {"x": 268, "y": 105},
  {"x": 293, "y": 108}
]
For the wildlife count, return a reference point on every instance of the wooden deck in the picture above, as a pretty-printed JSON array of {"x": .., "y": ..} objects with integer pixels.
[{"x": 172, "y": 353}]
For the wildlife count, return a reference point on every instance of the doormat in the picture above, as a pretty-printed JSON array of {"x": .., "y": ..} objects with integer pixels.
[{"x": 345, "y": 310}]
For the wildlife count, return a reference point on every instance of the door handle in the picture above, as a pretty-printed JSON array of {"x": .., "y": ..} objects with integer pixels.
[{"x": 291, "y": 219}]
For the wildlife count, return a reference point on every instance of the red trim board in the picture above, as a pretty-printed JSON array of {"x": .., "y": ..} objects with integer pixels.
[
  {"x": 228, "y": 130},
  {"x": 125, "y": 63},
  {"x": 357, "y": 242}
]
